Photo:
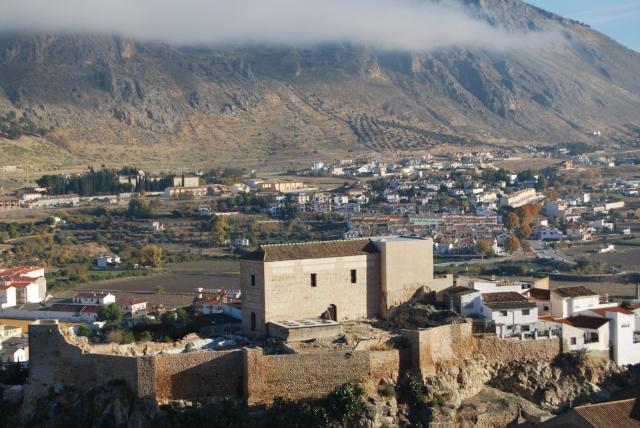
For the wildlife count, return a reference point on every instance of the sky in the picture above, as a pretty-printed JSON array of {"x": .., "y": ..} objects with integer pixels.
[
  {"x": 619, "y": 19},
  {"x": 386, "y": 24}
]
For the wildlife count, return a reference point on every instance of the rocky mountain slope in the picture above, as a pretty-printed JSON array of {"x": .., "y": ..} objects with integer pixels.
[{"x": 112, "y": 100}]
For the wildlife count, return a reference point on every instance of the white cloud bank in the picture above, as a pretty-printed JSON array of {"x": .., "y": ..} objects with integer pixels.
[{"x": 383, "y": 24}]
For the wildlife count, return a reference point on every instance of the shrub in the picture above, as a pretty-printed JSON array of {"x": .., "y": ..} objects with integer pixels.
[
  {"x": 346, "y": 402},
  {"x": 286, "y": 413},
  {"x": 83, "y": 330}
]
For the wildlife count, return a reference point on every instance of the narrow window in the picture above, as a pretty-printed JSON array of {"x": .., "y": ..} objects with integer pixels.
[
  {"x": 573, "y": 340},
  {"x": 525, "y": 312},
  {"x": 253, "y": 321},
  {"x": 253, "y": 280},
  {"x": 354, "y": 276},
  {"x": 314, "y": 280}
]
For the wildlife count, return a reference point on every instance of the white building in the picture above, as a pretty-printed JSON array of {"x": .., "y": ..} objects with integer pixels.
[
  {"x": 569, "y": 301},
  {"x": 22, "y": 285},
  {"x": 519, "y": 198},
  {"x": 550, "y": 234},
  {"x": 107, "y": 260},
  {"x": 511, "y": 312},
  {"x": 105, "y": 298}
]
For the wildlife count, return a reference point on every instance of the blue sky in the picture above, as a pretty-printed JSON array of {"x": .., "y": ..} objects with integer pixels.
[{"x": 619, "y": 19}]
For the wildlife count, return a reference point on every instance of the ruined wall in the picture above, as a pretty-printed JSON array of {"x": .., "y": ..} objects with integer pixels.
[
  {"x": 455, "y": 342},
  {"x": 194, "y": 375},
  {"x": 498, "y": 351},
  {"x": 55, "y": 361},
  {"x": 313, "y": 375},
  {"x": 439, "y": 344}
]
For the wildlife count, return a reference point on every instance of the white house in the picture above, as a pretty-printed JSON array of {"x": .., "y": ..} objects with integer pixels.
[
  {"x": 569, "y": 301},
  {"x": 107, "y": 260},
  {"x": 464, "y": 300},
  {"x": 7, "y": 296},
  {"x": 626, "y": 345},
  {"x": 104, "y": 298},
  {"x": 511, "y": 312},
  {"x": 588, "y": 332},
  {"x": 132, "y": 306},
  {"x": 22, "y": 285},
  {"x": 550, "y": 234}
]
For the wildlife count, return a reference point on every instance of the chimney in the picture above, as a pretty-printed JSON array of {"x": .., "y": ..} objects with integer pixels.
[{"x": 637, "y": 290}]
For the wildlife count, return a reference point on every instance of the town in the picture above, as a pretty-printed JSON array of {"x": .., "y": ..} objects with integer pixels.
[{"x": 216, "y": 284}]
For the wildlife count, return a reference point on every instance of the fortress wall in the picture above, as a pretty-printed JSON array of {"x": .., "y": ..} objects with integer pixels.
[
  {"x": 194, "y": 375},
  {"x": 301, "y": 375}
]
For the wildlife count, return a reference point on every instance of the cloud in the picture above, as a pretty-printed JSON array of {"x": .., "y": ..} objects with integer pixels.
[{"x": 383, "y": 24}]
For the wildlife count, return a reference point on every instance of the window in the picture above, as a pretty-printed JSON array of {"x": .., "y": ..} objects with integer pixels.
[
  {"x": 525, "y": 328},
  {"x": 573, "y": 341},
  {"x": 253, "y": 280},
  {"x": 526, "y": 312},
  {"x": 354, "y": 276},
  {"x": 314, "y": 280},
  {"x": 253, "y": 321},
  {"x": 545, "y": 308},
  {"x": 503, "y": 313}
]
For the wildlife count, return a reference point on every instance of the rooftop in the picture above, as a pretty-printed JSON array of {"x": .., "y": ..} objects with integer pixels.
[
  {"x": 579, "y": 291},
  {"x": 510, "y": 296},
  {"x": 459, "y": 290},
  {"x": 539, "y": 294},
  {"x": 312, "y": 250},
  {"x": 623, "y": 413},
  {"x": 583, "y": 321}
]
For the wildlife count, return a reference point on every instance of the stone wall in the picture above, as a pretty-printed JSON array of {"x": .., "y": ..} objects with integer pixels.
[
  {"x": 195, "y": 375},
  {"x": 54, "y": 361},
  {"x": 240, "y": 374},
  {"x": 455, "y": 342},
  {"x": 439, "y": 344},
  {"x": 313, "y": 375},
  {"x": 499, "y": 351}
]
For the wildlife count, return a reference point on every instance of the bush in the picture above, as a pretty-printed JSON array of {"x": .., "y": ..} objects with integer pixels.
[
  {"x": 286, "y": 413},
  {"x": 83, "y": 330},
  {"x": 346, "y": 402},
  {"x": 387, "y": 390}
]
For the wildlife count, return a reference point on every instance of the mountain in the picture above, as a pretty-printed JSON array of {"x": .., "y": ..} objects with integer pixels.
[{"x": 82, "y": 99}]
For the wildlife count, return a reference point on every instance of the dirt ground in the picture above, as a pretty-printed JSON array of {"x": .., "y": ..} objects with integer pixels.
[{"x": 626, "y": 257}]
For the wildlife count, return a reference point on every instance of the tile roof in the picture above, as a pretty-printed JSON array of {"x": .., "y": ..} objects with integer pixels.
[
  {"x": 312, "y": 250},
  {"x": 579, "y": 291},
  {"x": 508, "y": 296},
  {"x": 623, "y": 413},
  {"x": 583, "y": 321},
  {"x": 618, "y": 309},
  {"x": 511, "y": 305},
  {"x": 539, "y": 294},
  {"x": 506, "y": 301},
  {"x": 460, "y": 290}
]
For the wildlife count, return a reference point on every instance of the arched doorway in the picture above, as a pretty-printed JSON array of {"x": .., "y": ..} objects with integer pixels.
[{"x": 333, "y": 312}]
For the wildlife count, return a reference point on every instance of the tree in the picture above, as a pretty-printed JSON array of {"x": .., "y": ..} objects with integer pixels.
[
  {"x": 110, "y": 313},
  {"x": 219, "y": 230},
  {"x": 139, "y": 208},
  {"x": 528, "y": 213},
  {"x": 524, "y": 231},
  {"x": 484, "y": 248},
  {"x": 158, "y": 289},
  {"x": 553, "y": 195},
  {"x": 512, "y": 244},
  {"x": 526, "y": 246},
  {"x": 83, "y": 330},
  {"x": 145, "y": 336},
  {"x": 151, "y": 255},
  {"x": 511, "y": 221}
]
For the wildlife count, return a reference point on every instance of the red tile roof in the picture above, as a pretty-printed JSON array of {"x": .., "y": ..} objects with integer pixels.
[
  {"x": 579, "y": 321},
  {"x": 623, "y": 413},
  {"x": 618, "y": 309},
  {"x": 540, "y": 294}
]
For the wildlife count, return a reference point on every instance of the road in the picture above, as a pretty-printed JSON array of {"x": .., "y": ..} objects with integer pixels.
[{"x": 544, "y": 251}]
